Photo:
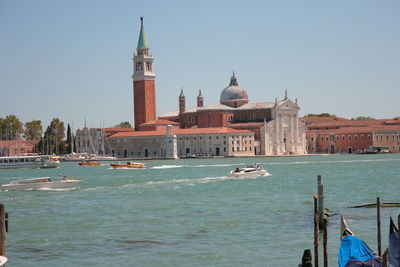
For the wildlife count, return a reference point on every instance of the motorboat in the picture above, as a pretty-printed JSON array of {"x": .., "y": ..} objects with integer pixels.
[
  {"x": 248, "y": 172},
  {"x": 89, "y": 163},
  {"x": 63, "y": 182},
  {"x": 50, "y": 162},
  {"x": 128, "y": 165}
]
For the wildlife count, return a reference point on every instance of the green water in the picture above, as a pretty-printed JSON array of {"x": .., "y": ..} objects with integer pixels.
[{"x": 188, "y": 213}]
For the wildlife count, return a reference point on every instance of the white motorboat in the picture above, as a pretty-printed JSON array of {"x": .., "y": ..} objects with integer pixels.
[
  {"x": 248, "y": 172},
  {"x": 63, "y": 182}
]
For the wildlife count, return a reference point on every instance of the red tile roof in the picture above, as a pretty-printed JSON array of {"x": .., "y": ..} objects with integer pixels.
[
  {"x": 177, "y": 131},
  {"x": 160, "y": 122}
]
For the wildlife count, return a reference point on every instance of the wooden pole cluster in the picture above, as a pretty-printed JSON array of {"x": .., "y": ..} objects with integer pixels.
[
  {"x": 2, "y": 230},
  {"x": 315, "y": 230}
]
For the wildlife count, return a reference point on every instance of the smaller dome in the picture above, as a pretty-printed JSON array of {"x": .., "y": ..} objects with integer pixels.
[{"x": 233, "y": 95}]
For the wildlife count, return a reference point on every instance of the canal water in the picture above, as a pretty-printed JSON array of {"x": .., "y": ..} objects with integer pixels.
[{"x": 189, "y": 213}]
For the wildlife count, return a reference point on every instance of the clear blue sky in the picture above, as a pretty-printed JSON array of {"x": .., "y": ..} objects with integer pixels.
[{"x": 72, "y": 59}]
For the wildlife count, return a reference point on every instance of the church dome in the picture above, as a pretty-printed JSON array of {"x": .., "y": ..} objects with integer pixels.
[{"x": 233, "y": 95}]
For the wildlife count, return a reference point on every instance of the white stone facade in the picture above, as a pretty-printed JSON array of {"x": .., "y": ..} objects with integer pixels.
[{"x": 284, "y": 134}]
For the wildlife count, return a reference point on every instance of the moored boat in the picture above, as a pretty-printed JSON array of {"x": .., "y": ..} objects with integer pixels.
[
  {"x": 129, "y": 165},
  {"x": 353, "y": 251},
  {"x": 18, "y": 162},
  {"x": 63, "y": 182},
  {"x": 248, "y": 172},
  {"x": 89, "y": 163}
]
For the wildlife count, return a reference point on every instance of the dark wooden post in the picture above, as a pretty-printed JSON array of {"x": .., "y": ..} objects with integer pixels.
[
  {"x": 385, "y": 259},
  {"x": 315, "y": 230},
  {"x": 306, "y": 261},
  {"x": 321, "y": 197},
  {"x": 325, "y": 243},
  {"x": 378, "y": 223},
  {"x": 2, "y": 230}
]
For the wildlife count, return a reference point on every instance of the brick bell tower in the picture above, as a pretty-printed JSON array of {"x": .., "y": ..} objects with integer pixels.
[{"x": 144, "y": 91}]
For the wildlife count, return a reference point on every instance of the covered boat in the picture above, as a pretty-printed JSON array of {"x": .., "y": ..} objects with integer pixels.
[
  {"x": 394, "y": 243},
  {"x": 248, "y": 172},
  {"x": 353, "y": 251},
  {"x": 63, "y": 182},
  {"x": 128, "y": 165}
]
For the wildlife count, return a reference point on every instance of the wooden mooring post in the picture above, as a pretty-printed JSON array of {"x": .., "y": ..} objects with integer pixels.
[
  {"x": 306, "y": 260},
  {"x": 321, "y": 211},
  {"x": 325, "y": 242},
  {"x": 2, "y": 230},
  {"x": 315, "y": 230},
  {"x": 378, "y": 223}
]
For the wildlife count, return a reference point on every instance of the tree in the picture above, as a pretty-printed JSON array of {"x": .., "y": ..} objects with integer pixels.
[
  {"x": 69, "y": 140},
  {"x": 362, "y": 118},
  {"x": 53, "y": 138},
  {"x": 321, "y": 115},
  {"x": 124, "y": 124},
  {"x": 10, "y": 127},
  {"x": 33, "y": 130}
]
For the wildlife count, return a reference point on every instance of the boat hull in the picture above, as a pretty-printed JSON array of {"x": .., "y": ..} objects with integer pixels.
[
  {"x": 253, "y": 174},
  {"x": 89, "y": 163},
  {"x": 121, "y": 166}
]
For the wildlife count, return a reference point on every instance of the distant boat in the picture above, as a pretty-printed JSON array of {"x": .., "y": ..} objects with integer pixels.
[
  {"x": 249, "y": 172},
  {"x": 353, "y": 251},
  {"x": 129, "y": 165},
  {"x": 89, "y": 163},
  {"x": 18, "y": 162},
  {"x": 63, "y": 182}
]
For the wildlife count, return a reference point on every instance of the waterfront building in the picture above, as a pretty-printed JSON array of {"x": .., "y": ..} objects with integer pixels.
[
  {"x": 234, "y": 127},
  {"x": 9, "y": 148},
  {"x": 347, "y": 136},
  {"x": 276, "y": 126}
]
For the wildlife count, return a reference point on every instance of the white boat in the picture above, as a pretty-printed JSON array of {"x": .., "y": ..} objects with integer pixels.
[
  {"x": 3, "y": 260},
  {"x": 17, "y": 162},
  {"x": 63, "y": 182},
  {"x": 248, "y": 172}
]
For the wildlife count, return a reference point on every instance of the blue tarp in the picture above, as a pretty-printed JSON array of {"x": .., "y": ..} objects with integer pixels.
[{"x": 351, "y": 248}]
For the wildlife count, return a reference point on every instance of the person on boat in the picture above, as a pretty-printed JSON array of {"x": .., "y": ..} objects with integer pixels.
[{"x": 237, "y": 170}]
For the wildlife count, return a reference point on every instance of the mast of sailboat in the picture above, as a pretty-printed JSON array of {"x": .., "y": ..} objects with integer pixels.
[{"x": 72, "y": 137}]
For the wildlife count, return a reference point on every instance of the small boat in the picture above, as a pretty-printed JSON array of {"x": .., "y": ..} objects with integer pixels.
[
  {"x": 129, "y": 165},
  {"x": 248, "y": 172},
  {"x": 50, "y": 162},
  {"x": 89, "y": 163},
  {"x": 3, "y": 260},
  {"x": 63, "y": 182},
  {"x": 353, "y": 251}
]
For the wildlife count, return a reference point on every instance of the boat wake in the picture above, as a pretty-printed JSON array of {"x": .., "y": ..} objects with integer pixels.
[
  {"x": 167, "y": 166},
  {"x": 331, "y": 161},
  {"x": 193, "y": 181},
  {"x": 53, "y": 189}
]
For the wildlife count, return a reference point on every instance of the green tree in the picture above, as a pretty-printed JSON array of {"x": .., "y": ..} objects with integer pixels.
[
  {"x": 321, "y": 115},
  {"x": 69, "y": 140},
  {"x": 124, "y": 124},
  {"x": 33, "y": 130},
  {"x": 52, "y": 141},
  {"x": 10, "y": 128},
  {"x": 362, "y": 118}
]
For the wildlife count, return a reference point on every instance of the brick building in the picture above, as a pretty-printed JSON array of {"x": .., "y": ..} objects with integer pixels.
[
  {"x": 347, "y": 136},
  {"x": 17, "y": 147}
]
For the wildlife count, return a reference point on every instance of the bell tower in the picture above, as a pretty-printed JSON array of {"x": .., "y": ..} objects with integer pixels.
[{"x": 144, "y": 91}]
